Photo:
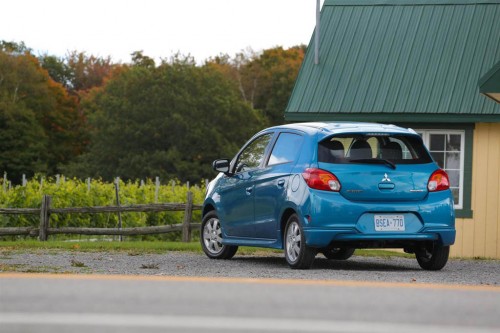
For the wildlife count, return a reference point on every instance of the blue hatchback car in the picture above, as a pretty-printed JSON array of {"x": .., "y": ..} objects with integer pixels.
[{"x": 330, "y": 188}]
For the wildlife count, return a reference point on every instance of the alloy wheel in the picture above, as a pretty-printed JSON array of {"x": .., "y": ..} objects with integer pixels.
[
  {"x": 294, "y": 239},
  {"x": 212, "y": 236}
]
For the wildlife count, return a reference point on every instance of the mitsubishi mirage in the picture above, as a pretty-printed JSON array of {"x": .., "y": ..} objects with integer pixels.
[{"x": 330, "y": 188}]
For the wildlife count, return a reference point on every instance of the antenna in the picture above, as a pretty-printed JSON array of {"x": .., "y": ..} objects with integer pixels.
[{"x": 316, "y": 35}]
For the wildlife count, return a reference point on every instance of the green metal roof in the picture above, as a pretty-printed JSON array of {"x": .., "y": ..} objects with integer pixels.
[
  {"x": 399, "y": 60},
  {"x": 489, "y": 84}
]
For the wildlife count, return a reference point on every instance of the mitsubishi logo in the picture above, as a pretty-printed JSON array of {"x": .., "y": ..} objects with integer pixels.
[{"x": 386, "y": 178}]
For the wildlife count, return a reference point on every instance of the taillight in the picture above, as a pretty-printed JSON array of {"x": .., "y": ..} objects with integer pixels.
[
  {"x": 321, "y": 180},
  {"x": 438, "y": 181}
]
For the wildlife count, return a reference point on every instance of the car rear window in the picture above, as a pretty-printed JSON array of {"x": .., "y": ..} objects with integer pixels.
[{"x": 372, "y": 147}]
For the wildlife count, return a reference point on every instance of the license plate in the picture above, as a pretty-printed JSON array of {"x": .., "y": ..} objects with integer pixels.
[{"x": 389, "y": 223}]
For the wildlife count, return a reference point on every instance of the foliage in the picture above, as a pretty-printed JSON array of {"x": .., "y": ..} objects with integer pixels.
[
  {"x": 77, "y": 193},
  {"x": 133, "y": 248},
  {"x": 84, "y": 115},
  {"x": 172, "y": 120},
  {"x": 22, "y": 140},
  {"x": 78, "y": 72},
  {"x": 38, "y": 118},
  {"x": 264, "y": 80},
  {"x": 278, "y": 70}
]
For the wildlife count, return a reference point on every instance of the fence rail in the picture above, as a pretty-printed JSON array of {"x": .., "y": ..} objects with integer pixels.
[{"x": 44, "y": 229}]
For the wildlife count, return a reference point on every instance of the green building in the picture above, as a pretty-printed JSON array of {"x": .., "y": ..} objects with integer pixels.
[{"x": 433, "y": 66}]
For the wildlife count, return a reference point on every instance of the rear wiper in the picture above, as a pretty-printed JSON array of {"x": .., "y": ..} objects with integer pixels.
[{"x": 375, "y": 161}]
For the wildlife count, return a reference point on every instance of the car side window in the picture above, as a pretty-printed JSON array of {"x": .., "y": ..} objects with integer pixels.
[
  {"x": 286, "y": 148},
  {"x": 251, "y": 157}
]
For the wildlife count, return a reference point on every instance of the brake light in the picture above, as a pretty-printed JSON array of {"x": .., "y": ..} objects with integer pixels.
[
  {"x": 438, "y": 181},
  {"x": 321, "y": 180}
]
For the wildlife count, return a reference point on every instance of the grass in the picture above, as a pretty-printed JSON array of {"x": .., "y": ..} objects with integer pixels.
[
  {"x": 135, "y": 248},
  {"x": 23, "y": 268}
]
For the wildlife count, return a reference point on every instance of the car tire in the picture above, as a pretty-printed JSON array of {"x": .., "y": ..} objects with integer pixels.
[
  {"x": 211, "y": 238},
  {"x": 338, "y": 253},
  {"x": 433, "y": 257},
  {"x": 298, "y": 255}
]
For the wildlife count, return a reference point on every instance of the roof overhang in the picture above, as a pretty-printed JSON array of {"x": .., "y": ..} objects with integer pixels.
[
  {"x": 391, "y": 118},
  {"x": 489, "y": 84}
]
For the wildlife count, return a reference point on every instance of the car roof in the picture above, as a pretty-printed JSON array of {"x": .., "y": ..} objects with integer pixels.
[{"x": 331, "y": 128}]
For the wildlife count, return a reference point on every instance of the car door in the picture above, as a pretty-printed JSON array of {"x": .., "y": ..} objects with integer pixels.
[
  {"x": 237, "y": 193},
  {"x": 271, "y": 184}
]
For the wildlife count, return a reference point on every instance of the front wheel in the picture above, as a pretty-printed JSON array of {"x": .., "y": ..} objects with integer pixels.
[
  {"x": 432, "y": 257},
  {"x": 297, "y": 253},
  {"x": 211, "y": 238}
]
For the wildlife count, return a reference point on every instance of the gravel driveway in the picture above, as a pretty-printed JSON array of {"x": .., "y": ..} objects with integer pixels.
[{"x": 394, "y": 269}]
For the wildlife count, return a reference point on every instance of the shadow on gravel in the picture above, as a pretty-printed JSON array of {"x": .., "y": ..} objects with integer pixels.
[
  {"x": 337, "y": 265},
  {"x": 365, "y": 265}
]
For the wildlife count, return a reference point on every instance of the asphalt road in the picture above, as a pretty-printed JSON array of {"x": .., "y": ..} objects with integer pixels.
[{"x": 125, "y": 303}]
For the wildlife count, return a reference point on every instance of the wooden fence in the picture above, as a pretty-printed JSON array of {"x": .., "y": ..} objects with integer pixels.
[{"x": 44, "y": 229}]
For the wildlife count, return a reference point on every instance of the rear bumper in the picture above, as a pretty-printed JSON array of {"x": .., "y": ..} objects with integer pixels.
[
  {"x": 322, "y": 237},
  {"x": 330, "y": 218}
]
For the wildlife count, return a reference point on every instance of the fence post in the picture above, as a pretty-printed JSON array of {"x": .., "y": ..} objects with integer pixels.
[
  {"x": 117, "y": 191},
  {"x": 44, "y": 218},
  {"x": 157, "y": 188},
  {"x": 188, "y": 214}
]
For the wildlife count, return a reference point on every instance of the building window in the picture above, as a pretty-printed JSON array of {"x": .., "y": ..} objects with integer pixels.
[{"x": 447, "y": 149}]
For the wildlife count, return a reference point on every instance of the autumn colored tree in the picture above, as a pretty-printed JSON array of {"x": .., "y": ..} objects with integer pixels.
[
  {"x": 170, "y": 120},
  {"x": 265, "y": 80},
  {"x": 278, "y": 69},
  {"x": 135, "y": 120},
  {"x": 51, "y": 129}
]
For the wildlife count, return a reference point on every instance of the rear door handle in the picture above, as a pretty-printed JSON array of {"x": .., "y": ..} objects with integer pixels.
[
  {"x": 249, "y": 189},
  {"x": 281, "y": 182}
]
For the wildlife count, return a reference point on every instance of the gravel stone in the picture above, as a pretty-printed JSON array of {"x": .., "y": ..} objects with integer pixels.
[{"x": 394, "y": 269}]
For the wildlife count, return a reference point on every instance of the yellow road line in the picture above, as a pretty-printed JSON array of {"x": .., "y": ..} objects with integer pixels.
[{"x": 200, "y": 279}]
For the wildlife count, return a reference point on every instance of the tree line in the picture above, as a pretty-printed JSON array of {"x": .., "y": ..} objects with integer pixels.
[{"x": 87, "y": 116}]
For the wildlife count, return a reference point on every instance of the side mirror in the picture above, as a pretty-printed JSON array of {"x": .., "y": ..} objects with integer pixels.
[{"x": 221, "y": 165}]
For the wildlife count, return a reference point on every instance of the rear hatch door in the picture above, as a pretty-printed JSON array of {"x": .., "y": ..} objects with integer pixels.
[
  {"x": 360, "y": 182},
  {"x": 378, "y": 166}
]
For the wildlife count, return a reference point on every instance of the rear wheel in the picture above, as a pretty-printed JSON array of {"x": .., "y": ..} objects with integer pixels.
[
  {"x": 338, "y": 253},
  {"x": 297, "y": 253},
  {"x": 433, "y": 256},
  {"x": 211, "y": 238}
]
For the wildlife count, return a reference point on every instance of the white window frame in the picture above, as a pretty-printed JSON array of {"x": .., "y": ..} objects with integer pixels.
[{"x": 426, "y": 134}]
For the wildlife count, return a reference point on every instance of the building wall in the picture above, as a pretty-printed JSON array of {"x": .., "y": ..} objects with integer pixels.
[{"x": 480, "y": 235}]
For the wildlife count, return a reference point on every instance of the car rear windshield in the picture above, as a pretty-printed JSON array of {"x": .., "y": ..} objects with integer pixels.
[{"x": 373, "y": 148}]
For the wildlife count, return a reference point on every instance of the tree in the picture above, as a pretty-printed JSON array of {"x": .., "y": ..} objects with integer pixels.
[
  {"x": 58, "y": 70},
  {"x": 27, "y": 93},
  {"x": 13, "y": 47},
  {"x": 87, "y": 72},
  {"x": 171, "y": 121},
  {"x": 278, "y": 69},
  {"x": 265, "y": 80},
  {"x": 23, "y": 143}
]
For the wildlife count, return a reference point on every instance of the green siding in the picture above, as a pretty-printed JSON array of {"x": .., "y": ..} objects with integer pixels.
[{"x": 400, "y": 60}]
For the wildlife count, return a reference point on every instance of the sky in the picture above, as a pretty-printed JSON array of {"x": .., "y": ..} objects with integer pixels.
[{"x": 160, "y": 28}]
